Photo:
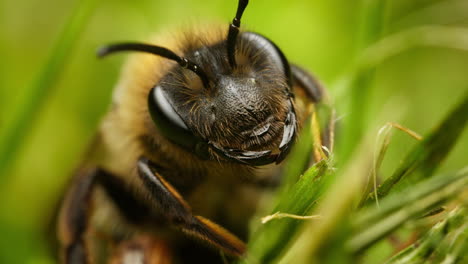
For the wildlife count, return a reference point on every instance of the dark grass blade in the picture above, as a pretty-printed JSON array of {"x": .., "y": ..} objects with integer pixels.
[
  {"x": 374, "y": 223},
  {"x": 428, "y": 154},
  {"x": 423, "y": 249},
  {"x": 396, "y": 201},
  {"x": 457, "y": 248},
  {"x": 42, "y": 87}
]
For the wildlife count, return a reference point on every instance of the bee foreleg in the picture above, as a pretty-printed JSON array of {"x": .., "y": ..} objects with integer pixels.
[
  {"x": 74, "y": 215},
  {"x": 178, "y": 212},
  {"x": 76, "y": 210}
]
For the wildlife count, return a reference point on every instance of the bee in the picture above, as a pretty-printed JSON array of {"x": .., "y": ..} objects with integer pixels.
[{"x": 198, "y": 126}]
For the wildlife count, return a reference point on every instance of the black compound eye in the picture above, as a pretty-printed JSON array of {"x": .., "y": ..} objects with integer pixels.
[
  {"x": 168, "y": 121},
  {"x": 275, "y": 54}
]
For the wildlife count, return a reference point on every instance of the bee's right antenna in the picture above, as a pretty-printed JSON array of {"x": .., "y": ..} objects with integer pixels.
[{"x": 234, "y": 31}]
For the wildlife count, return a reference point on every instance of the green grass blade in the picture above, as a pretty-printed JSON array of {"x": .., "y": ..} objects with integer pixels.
[
  {"x": 392, "y": 203},
  {"x": 428, "y": 154},
  {"x": 15, "y": 133},
  {"x": 301, "y": 156},
  {"x": 269, "y": 241},
  {"x": 375, "y": 223},
  {"x": 422, "y": 249},
  {"x": 321, "y": 241},
  {"x": 298, "y": 160},
  {"x": 457, "y": 251},
  {"x": 449, "y": 37}
]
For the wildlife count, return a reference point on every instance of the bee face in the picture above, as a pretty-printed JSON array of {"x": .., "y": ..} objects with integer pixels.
[
  {"x": 229, "y": 101},
  {"x": 244, "y": 113}
]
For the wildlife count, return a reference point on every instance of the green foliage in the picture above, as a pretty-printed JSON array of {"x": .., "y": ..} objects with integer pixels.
[
  {"x": 351, "y": 229},
  {"x": 436, "y": 243},
  {"x": 396, "y": 210},
  {"x": 429, "y": 153},
  {"x": 269, "y": 241}
]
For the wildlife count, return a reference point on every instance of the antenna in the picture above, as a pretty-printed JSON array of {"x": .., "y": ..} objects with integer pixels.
[
  {"x": 156, "y": 50},
  {"x": 234, "y": 31}
]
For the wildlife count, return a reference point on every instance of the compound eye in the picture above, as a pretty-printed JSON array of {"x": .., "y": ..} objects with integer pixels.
[
  {"x": 167, "y": 120},
  {"x": 273, "y": 52}
]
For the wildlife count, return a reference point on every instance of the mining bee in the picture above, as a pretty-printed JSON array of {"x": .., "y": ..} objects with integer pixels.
[{"x": 196, "y": 130}]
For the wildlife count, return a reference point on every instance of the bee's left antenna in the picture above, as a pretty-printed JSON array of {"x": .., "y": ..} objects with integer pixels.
[
  {"x": 156, "y": 50},
  {"x": 234, "y": 31}
]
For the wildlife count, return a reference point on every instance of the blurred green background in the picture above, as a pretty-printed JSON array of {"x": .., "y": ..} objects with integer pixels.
[{"x": 414, "y": 87}]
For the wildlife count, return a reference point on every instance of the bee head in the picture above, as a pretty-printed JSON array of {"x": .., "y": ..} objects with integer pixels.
[{"x": 231, "y": 99}]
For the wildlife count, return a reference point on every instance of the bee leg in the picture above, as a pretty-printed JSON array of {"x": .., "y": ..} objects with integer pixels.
[
  {"x": 76, "y": 210},
  {"x": 73, "y": 218},
  {"x": 178, "y": 212}
]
